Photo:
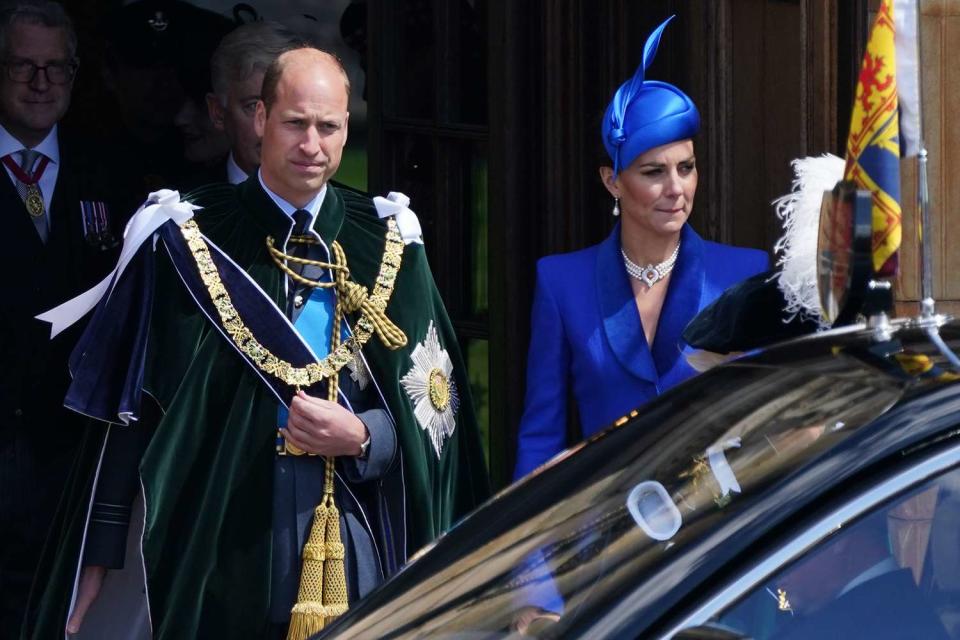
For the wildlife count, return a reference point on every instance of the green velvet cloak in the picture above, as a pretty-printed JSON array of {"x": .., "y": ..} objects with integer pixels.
[{"x": 207, "y": 473}]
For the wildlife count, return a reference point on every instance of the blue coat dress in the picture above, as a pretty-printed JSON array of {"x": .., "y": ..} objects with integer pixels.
[{"x": 586, "y": 336}]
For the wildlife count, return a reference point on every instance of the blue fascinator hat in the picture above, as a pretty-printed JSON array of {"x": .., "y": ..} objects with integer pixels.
[{"x": 646, "y": 113}]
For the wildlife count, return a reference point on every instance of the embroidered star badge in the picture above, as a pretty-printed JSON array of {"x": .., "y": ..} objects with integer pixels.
[{"x": 430, "y": 385}]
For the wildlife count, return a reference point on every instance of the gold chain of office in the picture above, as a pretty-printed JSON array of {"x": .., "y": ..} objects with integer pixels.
[{"x": 351, "y": 297}]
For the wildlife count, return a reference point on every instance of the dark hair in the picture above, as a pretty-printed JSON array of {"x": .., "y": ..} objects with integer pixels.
[
  {"x": 43, "y": 12},
  {"x": 268, "y": 94}
]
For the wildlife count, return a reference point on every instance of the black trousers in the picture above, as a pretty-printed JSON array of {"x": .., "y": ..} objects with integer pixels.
[{"x": 33, "y": 473}]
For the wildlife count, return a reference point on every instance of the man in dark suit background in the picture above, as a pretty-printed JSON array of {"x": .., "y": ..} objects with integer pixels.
[
  {"x": 155, "y": 70},
  {"x": 58, "y": 242},
  {"x": 852, "y": 587},
  {"x": 237, "y": 68}
]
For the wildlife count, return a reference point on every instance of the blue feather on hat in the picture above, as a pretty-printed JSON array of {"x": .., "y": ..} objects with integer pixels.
[{"x": 645, "y": 114}]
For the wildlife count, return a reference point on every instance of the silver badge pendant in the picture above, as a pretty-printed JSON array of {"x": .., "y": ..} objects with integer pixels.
[
  {"x": 649, "y": 276},
  {"x": 358, "y": 371}
]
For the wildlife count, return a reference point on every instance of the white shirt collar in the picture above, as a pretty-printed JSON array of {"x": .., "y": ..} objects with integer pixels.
[
  {"x": 312, "y": 207},
  {"x": 235, "y": 175},
  {"x": 48, "y": 146}
]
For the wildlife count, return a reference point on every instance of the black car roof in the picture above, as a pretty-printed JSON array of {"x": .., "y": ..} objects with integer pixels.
[{"x": 864, "y": 399}]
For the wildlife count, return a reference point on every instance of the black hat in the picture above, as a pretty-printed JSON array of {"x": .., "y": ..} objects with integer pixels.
[
  {"x": 746, "y": 316},
  {"x": 149, "y": 33}
]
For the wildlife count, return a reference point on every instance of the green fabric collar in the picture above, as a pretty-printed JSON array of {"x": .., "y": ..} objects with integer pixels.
[
  {"x": 330, "y": 218},
  {"x": 277, "y": 224}
]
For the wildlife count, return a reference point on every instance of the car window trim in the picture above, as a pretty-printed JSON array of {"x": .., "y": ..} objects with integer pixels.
[{"x": 747, "y": 580}]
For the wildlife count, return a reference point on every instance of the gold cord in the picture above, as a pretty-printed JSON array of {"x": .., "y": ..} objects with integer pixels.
[
  {"x": 322, "y": 595},
  {"x": 355, "y": 297},
  {"x": 281, "y": 259}
]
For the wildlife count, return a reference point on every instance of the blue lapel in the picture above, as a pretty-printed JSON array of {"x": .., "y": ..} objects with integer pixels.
[
  {"x": 621, "y": 319},
  {"x": 682, "y": 302}
]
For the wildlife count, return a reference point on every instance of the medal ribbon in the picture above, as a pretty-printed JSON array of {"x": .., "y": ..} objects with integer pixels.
[{"x": 22, "y": 175}]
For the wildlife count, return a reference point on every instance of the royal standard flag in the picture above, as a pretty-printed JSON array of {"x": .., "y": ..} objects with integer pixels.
[{"x": 873, "y": 147}]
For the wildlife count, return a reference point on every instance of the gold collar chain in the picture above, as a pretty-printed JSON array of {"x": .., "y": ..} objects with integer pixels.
[{"x": 372, "y": 320}]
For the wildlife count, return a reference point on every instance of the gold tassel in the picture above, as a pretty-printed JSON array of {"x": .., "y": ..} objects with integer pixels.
[
  {"x": 322, "y": 596},
  {"x": 323, "y": 584},
  {"x": 335, "y": 599}
]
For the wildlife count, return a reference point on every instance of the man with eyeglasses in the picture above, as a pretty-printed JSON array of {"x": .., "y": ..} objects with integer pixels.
[{"x": 57, "y": 242}]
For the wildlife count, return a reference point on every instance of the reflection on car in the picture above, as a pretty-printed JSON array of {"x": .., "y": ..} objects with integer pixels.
[{"x": 810, "y": 490}]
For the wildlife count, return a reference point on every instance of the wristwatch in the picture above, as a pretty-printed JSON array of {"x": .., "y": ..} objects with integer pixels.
[{"x": 365, "y": 448}]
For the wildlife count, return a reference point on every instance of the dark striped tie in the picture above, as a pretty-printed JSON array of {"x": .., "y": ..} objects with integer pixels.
[{"x": 297, "y": 292}]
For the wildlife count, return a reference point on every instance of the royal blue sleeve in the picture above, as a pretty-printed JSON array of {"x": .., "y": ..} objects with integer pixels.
[{"x": 542, "y": 432}]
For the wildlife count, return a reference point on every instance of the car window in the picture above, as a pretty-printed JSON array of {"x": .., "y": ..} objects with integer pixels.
[
  {"x": 577, "y": 537},
  {"x": 590, "y": 547},
  {"x": 892, "y": 573}
]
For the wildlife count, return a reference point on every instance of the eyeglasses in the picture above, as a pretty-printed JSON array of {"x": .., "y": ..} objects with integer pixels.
[{"x": 26, "y": 71}]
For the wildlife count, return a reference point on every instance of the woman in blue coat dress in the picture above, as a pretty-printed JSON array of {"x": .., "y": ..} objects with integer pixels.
[{"x": 607, "y": 320}]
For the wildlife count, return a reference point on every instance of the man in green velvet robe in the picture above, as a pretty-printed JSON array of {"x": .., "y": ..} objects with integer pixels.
[{"x": 223, "y": 514}]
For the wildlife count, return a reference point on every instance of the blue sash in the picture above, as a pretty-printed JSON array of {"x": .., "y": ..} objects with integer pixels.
[{"x": 315, "y": 326}]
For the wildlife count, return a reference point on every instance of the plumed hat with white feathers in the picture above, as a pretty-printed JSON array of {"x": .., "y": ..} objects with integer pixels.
[{"x": 778, "y": 304}]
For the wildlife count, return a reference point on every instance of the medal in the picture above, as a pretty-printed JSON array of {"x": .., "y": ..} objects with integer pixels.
[
  {"x": 29, "y": 184},
  {"x": 34, "y": 201},
  {"x": 95, "y": 216}
]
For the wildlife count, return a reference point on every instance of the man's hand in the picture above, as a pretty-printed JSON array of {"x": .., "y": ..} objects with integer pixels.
[
  {"x": 323, "y": 427},
  {"x": 91, "y": 579}
]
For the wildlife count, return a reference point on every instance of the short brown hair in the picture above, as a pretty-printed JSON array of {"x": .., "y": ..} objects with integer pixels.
[{"x": 268, "y": 94}]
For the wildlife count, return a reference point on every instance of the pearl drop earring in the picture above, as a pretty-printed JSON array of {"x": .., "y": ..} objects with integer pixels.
[{"x": 616, "y": 206}]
